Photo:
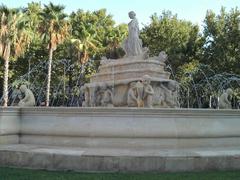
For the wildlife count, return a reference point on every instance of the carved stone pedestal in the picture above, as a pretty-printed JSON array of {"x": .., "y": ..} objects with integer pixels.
[{"x": 115, "y": 76}]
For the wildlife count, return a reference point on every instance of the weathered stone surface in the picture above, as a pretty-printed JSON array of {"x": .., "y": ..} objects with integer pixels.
[
  {"x": 225, "y": 100},
  {"x": 29, "y": 99},
  {"x": 9, "y": 125},
  {"x": 121, "y": 127},
  {"x": 121, "y": 159},
  {"x": 120, "y": 73},
  {"x": 120, "y": 139},
  {"x": 133, "y": 45},
  {"x": 121, "y": 69}
]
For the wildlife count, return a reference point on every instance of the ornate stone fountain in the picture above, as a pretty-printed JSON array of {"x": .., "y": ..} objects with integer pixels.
[
  {"x": 136, "y": 80},
  {"x": 122, "y": 139}
]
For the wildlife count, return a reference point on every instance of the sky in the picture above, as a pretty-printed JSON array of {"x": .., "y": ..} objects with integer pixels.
[{"x": 192, "y": 10}]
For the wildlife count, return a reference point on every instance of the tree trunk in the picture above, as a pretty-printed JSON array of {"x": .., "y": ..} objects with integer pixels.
[
  {"x": 49, "y": 75},
  {"x": 6, "y": 56}
]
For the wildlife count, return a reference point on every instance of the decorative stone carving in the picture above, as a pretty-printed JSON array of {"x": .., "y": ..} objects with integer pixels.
[
  {"x": 97, "y": 99},
  {"x": 135, "y": 94},
  {"x": 29, "y": 99},
  {"x": 170, "y": 94},
  {"x": 140, "y": 92},
  {"x": 225, "y": 99},
  {"x": 104, "y": 60},
  {"x": 133, "y": 45},
  {"x": 101, "y": 95},
  {"x": 148, "y": 91},
  {"x": 132, "y": 99},
  {"x": 162, "y": 56},
  {"x": 107, "y": 97},
  {"x": 127, "y": 75}
]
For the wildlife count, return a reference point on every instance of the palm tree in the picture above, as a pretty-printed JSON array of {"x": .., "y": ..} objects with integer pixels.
[
  {"x": 14, "y": 34},
  {"x": 84, "y": 46},
  {"x": 85, "y": 36},
  {"x": 114, "y": 38},
  {"x": 33, "y": 12},
  {"x": 54, "y": 29}
]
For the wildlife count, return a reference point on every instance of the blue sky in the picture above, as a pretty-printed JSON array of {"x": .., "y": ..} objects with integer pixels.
[{"x": 193, "y": 10}]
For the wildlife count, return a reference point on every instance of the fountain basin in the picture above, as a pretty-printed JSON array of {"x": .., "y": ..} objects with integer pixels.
[
  {"x": 120, "y": 127},
  {"x": 120, "y": 139}
]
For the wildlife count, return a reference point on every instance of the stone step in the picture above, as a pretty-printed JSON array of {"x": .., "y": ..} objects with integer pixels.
[{"x": 127, "y": 159}]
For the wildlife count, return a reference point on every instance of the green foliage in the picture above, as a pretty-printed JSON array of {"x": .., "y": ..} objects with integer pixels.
[
  {"x": 53, "y": 25},
  {"x": 198, "y": 82},
  {"x": 16, "y": 84},
  {"x": 179, "y": 38},
  {"x": 114, "y": 38},
  {"x": 222, "y": 36},
  {"x": 95, "y": 32},
  {"x": 204, "y": 64}
]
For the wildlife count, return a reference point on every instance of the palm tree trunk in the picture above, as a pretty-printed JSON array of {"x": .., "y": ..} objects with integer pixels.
[
  {"x": 6, "y": 56},
  {"x": 5, "y": 83},
  {"x": 49, "y": 75}
]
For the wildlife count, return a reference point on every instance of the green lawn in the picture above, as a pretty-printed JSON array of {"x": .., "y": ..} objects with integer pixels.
[{"x": 23, "y": 174}]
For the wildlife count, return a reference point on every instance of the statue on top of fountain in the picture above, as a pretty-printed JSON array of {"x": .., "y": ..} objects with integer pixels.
[
  {"x": 133, "y": 44},
  {"x": 135, "y": 80}
]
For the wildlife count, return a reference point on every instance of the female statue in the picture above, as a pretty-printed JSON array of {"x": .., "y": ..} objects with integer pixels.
[{"x": 132, "y": 45}]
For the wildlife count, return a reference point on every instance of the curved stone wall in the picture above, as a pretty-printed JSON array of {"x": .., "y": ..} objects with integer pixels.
[{"x": 126, "y": 127}]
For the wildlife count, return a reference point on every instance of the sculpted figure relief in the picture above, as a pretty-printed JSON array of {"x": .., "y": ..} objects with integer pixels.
[
  {"x": 107, "y": 98},
  {"x": 140, "y": 93},
  {"x": 103, "y": 96},
  {"x": 170, "y": 94},
  {"x": 140, "y": 90},
  {"x": 29, "y": 99},
  {"x": 98, "y": 96},
  {"x": 162, "y": 56},
  {"x": 132, "y": 95},
  {"x": 133, "y": 45},
  {"x": 225, "y": 99},
  {"x": 148, "y": 91},
  {"x": 135, "y": 94}
]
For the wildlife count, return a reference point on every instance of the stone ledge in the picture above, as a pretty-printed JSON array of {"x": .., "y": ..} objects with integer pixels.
[
  {"x": 96, "y": 159},
  {"x": 125, "y": 111},
  {"x": 125, "y": 61}
]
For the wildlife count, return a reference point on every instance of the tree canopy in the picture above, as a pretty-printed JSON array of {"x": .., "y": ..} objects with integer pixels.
[{"x": 203, "y": 62}]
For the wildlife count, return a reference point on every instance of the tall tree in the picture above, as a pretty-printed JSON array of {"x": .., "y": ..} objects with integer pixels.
[
  {"x": 179, "y": 38},
  {"x": 222, "y": 37},
  {"x": 14, "y": 34},
  {"x": 54, "y": 29},
  {"x": 96, "y": 28},
  {"x": 114, "y": 38}
]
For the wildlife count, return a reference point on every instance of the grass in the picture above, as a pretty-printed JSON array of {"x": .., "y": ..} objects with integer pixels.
[{"x": 25, "y": 174}]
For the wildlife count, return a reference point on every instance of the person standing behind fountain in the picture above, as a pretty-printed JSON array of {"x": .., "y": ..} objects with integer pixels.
[{"x": 133, "y": 45}]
